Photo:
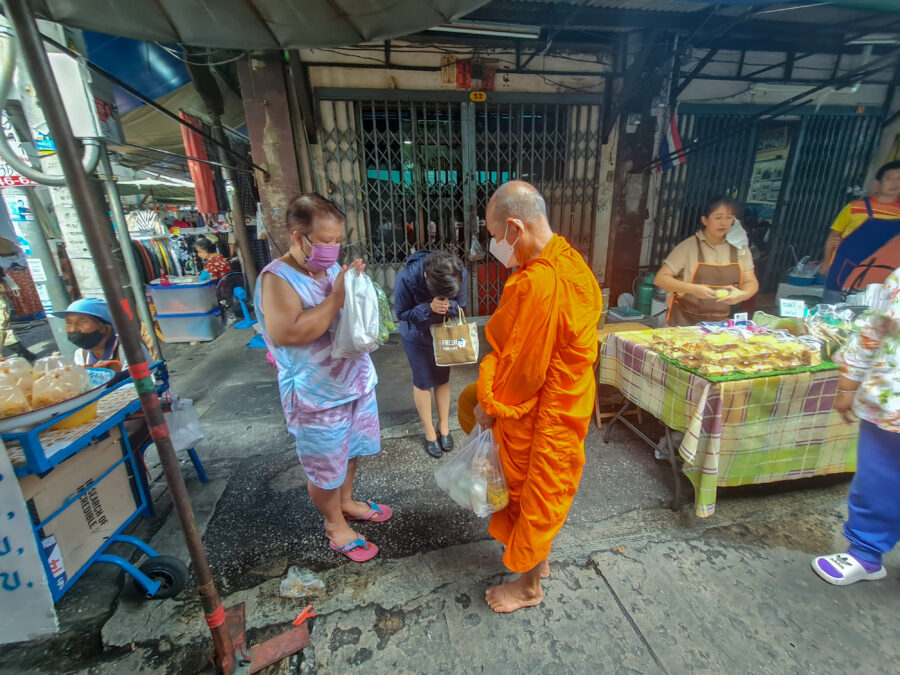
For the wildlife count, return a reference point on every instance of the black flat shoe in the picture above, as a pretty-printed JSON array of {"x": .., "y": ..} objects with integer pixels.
[
  {"x": 432, "y": 448},
  {"x": 446, "y": 442}
]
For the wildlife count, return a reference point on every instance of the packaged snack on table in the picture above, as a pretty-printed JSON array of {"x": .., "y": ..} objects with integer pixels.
[
  {"x": 723, "y": 341},
  {"x": 12, "y": 401},
  {"x": 60, "y": 385},
  {"x": 18, "y": 372},
  {"x": 55, "y": 361}
]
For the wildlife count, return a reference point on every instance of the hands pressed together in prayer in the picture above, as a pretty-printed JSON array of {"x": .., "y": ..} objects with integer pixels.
[{"x": 440, "y": 305}]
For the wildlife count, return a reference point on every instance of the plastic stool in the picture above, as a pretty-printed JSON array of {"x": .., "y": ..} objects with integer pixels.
[
  {"x": 247, "y": 322},
  {"x": 198, "y": 466}
]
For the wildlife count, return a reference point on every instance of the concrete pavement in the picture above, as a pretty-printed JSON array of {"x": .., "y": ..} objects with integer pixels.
[{"x": 635, "y": 587}]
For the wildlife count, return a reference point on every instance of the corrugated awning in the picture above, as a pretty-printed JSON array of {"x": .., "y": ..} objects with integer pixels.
[{"x": 255, "y": 24}]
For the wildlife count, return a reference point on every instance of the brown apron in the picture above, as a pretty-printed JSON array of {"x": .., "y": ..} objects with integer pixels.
[{"x": 689, "y": 310}]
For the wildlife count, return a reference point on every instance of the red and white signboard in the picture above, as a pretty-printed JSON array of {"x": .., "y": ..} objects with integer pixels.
[{"x": 9, "y": 177}]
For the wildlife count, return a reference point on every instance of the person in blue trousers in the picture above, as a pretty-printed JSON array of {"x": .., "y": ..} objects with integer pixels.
[
  {"x": 869, "y": 386},
  {"x": 430, "y": 288}
]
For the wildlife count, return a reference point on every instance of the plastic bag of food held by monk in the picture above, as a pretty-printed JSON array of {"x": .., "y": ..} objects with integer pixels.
[
  {"x": 474, "y": 477},
  {"x": 360, "y": 322}
]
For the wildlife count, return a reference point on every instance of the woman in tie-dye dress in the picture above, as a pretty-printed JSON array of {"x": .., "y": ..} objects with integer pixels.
[{"x": 329, "y": 404}]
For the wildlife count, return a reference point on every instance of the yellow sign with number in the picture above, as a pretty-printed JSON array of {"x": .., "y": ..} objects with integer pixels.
[{"x": 477, "y": 96}]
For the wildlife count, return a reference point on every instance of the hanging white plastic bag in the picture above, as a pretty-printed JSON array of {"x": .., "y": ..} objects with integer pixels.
[
  {"x": 360, "y": 322},
  {"x": 474, "y": 476},
  {"x": 184, "y": 424}
]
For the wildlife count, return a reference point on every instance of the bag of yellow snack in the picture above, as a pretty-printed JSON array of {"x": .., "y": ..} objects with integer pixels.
[
  {"x": 12, "y": 401},
  {"x": 60, "y": 385},
  {"x": 18, "y": 372}
]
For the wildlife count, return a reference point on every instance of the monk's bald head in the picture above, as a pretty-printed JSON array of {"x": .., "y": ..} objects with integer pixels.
[
  {"x": 520, "y": 200},
  {"x": 517, "y": 214}
]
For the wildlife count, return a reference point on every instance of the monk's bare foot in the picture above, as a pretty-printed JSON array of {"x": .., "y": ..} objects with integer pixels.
[
  {"x": 545, "y": 570},
  {"x": 515, "y": 595}
]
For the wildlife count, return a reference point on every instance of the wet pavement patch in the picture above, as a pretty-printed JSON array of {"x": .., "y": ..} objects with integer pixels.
[{"x": 265, "y": 513}]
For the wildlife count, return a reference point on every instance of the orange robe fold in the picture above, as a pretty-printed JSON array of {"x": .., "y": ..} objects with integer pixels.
[{"x": 539, "y": 384}]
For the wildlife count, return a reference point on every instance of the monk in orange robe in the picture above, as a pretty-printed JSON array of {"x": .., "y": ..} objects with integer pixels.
[{"x": 537, "y": 387}]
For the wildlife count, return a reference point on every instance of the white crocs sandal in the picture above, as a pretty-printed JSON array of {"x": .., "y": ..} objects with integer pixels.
[{"x": 842, "y": 569}]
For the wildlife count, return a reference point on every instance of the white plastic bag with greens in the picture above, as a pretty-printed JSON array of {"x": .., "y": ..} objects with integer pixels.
[
  {"x": 360, "y": 323},
  {"x": 474, "y": 477}
]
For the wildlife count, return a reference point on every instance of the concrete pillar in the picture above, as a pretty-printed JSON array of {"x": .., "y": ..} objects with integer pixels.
[
  {"x": 267, "y": 110},
  {"x": 636, "y": 131}
]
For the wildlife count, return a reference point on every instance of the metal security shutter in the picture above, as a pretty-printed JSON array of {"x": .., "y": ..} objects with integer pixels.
[
  {"x": 827, "y": 166},
  {"x": 721, "y": 168},
  {"x": 396, "y": 161}
]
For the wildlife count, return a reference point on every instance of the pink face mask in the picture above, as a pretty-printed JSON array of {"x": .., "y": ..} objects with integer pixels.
[{"x": 322, "y": 256}]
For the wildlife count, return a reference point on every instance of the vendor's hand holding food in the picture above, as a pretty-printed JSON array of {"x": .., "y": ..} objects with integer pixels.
[
  {"x": 733, "y": 295},
  {"x": 703, "y": 292}
]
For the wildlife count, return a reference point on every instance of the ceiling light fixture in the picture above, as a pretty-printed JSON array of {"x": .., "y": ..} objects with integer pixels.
[{"x": 508, "y": 30}]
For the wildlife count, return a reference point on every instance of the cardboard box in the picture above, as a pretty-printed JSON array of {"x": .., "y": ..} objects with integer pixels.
[{"x": 70, "y": 539}]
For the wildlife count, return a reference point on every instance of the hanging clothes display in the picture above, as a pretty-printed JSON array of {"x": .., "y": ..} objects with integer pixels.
[
  {"x": 155, "y": 257},
  {"x": 201, "y": 175}
]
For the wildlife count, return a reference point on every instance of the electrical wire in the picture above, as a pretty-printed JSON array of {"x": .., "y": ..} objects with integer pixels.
[
  {"x": 586, "y": 90},
  {"x": 436, "y": 49},
  {"x": 178, "y": 56}
]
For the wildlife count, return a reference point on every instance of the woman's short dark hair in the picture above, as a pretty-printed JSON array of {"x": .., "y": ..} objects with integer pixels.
[
  {"x": 303, "y": 211},
  {"x": 206, "y": 244},
  {"x": 883, "y": 169},
  {"x": 718, "y": 202},
  {"x": 444, "y": 274}
]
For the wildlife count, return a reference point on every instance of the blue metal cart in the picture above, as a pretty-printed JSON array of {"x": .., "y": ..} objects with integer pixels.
[{"x": 40, "y": 449}]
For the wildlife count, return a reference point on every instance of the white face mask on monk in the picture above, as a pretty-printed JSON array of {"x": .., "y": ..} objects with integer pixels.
[{"x": 504, "y": 251}]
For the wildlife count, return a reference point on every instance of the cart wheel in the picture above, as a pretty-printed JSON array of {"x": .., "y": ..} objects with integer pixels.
[{"x": 170, "y": 572}]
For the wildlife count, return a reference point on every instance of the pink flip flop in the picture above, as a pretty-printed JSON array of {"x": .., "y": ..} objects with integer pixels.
[
  {"x": 358, "y": 550},
  {"x": 378, "y": 513}
]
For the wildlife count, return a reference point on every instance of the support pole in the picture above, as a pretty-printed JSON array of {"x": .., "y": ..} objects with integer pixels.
[
  {"x": 134, "y": 275},
  {"x": 99, "y": 243},
  {"x": 237, "y": 211}
]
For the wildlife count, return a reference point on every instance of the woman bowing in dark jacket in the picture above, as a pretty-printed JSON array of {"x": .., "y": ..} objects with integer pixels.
[{"x": 431, "y": 287}]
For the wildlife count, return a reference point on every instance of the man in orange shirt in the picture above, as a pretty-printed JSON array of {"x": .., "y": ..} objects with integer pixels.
[{"x": 536, "y": 388}]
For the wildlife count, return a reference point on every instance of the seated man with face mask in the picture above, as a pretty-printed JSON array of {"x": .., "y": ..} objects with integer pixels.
[{"x": 89, "y": 327}]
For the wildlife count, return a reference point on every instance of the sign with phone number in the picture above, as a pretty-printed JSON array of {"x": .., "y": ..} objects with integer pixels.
[
  {"x": 9, "y": 177},
  {"x": 13, "y": 179}
]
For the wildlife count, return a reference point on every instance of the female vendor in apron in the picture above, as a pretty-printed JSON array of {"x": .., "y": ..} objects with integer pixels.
[{"x": 706, "y": 274}]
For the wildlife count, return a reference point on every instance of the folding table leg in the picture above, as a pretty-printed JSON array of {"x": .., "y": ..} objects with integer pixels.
[
  {"x": 609, "y": 427},
  {"x": 672, "y": 453}
]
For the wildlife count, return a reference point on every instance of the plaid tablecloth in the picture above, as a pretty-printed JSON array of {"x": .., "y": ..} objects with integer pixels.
[{"x": 758, "y": 430}]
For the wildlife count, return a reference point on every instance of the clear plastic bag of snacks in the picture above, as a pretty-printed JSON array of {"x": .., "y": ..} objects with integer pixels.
[
  {"x": 59, "y": 385},
  {"x": 12, "y": 401},
  {"x": 474, "y": 478},
  {"x": 18, "y": 372},
  {"x": 55, "y": 361}
]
